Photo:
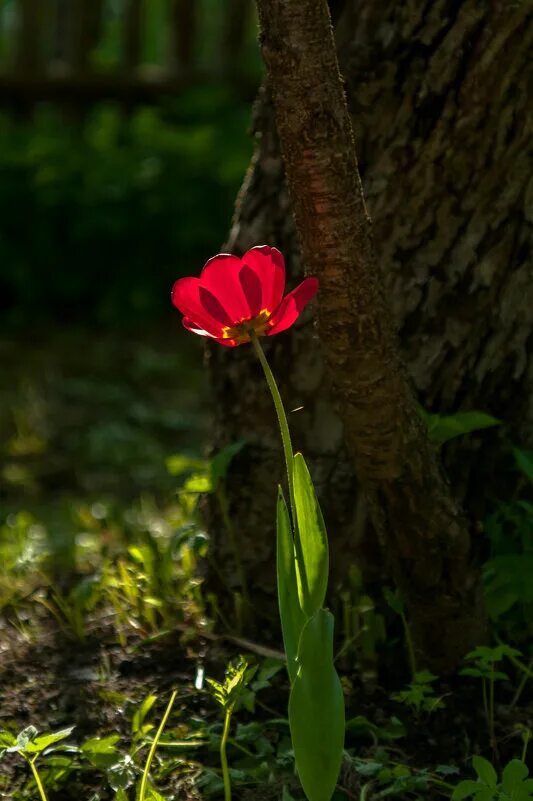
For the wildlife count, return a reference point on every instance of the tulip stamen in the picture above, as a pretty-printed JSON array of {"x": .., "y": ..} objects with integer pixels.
[{"x": 241, "y": 332}]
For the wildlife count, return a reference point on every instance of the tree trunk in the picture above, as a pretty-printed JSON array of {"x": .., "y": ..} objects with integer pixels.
[{"x": 441, "y": 129}]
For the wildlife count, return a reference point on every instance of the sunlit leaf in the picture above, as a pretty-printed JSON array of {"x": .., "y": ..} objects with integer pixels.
[
  {"x": 39, "y": 744},
  {"x": 122, "y": 774},
  {"x": 313, "y": 539},
  {"x": 153, "y": 795},
  {"x": 179, "y": 463},
  {"x": 101, "y": 751},
  {"x": 142, "y": 711}
]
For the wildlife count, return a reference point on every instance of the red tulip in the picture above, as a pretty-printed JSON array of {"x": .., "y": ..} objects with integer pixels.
[{"x": 233, "y": 297}]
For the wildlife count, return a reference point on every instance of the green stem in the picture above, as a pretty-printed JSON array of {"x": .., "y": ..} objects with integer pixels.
[
  {"x": 282, "y": 417},
  {"x": 289, "y": 457},
  {"x": 527, "y": 736},
  {"x": 485, "y": 701},
  {"x": 37, "y": 778},
  {"x": 526, "y": 674},
  {"x": 364, "y": 791},
  {"x": 491, "y": 706},
  {"x": 410, "y": 646},
  {"x": 223, "y": 757},
  {"x": 240, "y": 747},
  {"x": 155, "y": 742}
]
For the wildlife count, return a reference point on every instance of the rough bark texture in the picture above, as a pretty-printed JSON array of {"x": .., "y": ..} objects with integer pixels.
[{"x": 439, "y": 95}]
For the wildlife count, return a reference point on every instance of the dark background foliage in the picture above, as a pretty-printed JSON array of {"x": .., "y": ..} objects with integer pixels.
[{"x": 104, "y": 203}]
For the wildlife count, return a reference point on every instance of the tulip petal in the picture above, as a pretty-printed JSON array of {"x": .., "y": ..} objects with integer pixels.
[
  {"x": 186, "y": 297},
  {"x": 190, "y": 325},
  {"x": 292, "y": 305},
  {"x": 226, "y": 301},
  {"x": 213, "y": 306},
  {"x": 252, "y": 288},
  {"x": 269, "y": 266}
]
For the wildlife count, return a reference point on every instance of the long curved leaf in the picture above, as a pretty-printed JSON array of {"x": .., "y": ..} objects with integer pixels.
[
  {"x": 313, "y": 538},
  {"x": 316, "y": 710}
]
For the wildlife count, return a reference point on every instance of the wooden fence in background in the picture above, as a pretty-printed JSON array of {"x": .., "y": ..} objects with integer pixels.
[{"x": 51, "y": 48}]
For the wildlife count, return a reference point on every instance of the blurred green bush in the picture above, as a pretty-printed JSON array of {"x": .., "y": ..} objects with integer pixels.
[{"x": 97, "y": 218}]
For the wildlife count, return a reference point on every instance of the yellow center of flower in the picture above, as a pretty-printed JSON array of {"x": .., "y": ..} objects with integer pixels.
[{"x": 241, "y": 332}]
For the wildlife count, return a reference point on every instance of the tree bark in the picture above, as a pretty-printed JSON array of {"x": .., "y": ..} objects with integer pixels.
[
  {"x": 410, "y": 504},
  {"x": 440, "y": 122}
]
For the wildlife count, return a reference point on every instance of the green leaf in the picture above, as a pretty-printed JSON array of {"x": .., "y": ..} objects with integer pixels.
[
  {"x": 122, "y": 775},
  {"x": 142, "y": 711},
  {"x": 153, "y": 795},
  {"x": 446, "y": 770},
  {"x": 180, "y": 463},
  {"x": 238, "y": 676},
  {"x": 101, "y": 751},
  {"x": 7, "y": 739},
  {"x": 291, "y": 614},
  {"x": 513, "y": 775},
  {"x": 220, "y": 463},
  {"x": 485, "y": 771},
  {"x": 488, "y": 794},
  {"x": 394, "y": 600},
  {"x": 316, "y": 710},
  {"x": 45, "y": 740},
  {"x": 465, "y": 789},
  {"x": 285, "y": 795},
  {"x": 313, "y": 538},
  {"x": 57, "y": 762},
  {"x": 424, "y": 677},
  {"x": 524, "y": 461},
  {"x": 266, "y": 672},
  {"x": 442, "y": 428},
  {"x": 217, "y": 691},
  {"x": 499, "y": 674},
  {"x": 198, "y": 483},
  {"x": 472, "y": 672},
  {"x": 26, "y": 735}
]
